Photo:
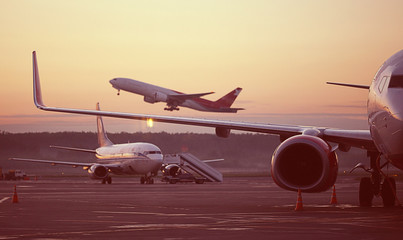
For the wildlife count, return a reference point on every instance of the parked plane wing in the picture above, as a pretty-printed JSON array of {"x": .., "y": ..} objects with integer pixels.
[
  {"x": 74, "y": 149},
  {"x": 74, "y": 164},
  {"x": 355, "y": 138}
]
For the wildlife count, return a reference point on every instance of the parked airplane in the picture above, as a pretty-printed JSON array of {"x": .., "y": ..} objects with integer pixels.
[
  {"x": 153, "y": 94},
  {"x": 305, "y": 160},
  {"x": 120, "y": 159}
]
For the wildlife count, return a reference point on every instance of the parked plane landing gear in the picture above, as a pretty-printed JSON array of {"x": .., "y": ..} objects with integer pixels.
[
  {"x": 107, "y": 180},
  {"x": 147, "y": 180},
  {"x": 370, "y": 187}
]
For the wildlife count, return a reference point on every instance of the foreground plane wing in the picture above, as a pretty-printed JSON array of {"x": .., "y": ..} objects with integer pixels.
[
  {"x": 354, "y": 138},
  {"x": 305, "y": 160}
]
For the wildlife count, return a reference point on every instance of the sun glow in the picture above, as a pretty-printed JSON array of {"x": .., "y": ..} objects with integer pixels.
[{"x": 150, "y": 122}]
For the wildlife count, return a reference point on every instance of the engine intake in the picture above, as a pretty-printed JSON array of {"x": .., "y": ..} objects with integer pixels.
[
  {"x": 304, "y": 162},
  {"x": 97, "y": 171},
  {"x": 172, "y": 170},
  {"x": 222, "y": 132}
]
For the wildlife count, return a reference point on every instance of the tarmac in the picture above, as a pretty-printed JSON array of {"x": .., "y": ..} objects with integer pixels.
[{"x": 238, "y": 208}]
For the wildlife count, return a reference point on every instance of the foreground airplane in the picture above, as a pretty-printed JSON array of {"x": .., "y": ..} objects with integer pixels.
[
  {"x": 153, "y": 94},
  {"x": 305, "y": 160},
  {"x": 120, "y": 159}
]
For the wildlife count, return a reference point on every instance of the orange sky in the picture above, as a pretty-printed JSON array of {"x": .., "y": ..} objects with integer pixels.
[{"x": 280, "y": 52}]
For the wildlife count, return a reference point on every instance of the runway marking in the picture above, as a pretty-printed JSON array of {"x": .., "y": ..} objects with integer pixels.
[
  {"x": 162, "y": 225},
  {"x": 4, "y": 199}
]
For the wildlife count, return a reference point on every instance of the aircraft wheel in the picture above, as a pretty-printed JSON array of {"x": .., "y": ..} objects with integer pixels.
[
  {"x": 151, "y": 181},
  {"x": 388, "y": 192},
  {"x": 109, "y": 180},
  {"x": 142, "y": 180},
  {"x": 199, "y": 181},
  {"x": 366, "y": 192},
  {"x": 172, "y": 181},
  {"x": 103, "y": 181}
]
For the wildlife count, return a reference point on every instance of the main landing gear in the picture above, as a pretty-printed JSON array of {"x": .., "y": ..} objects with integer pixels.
[
  {"x": 171, "y": 109},
  {"x": 373, "y": 186},
  {"x": 147, "y": 180},
  {"x": 107, "y": 180}
]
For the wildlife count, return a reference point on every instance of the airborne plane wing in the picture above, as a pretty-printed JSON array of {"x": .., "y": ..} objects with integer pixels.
[
  {"x": 184, "y": 97},
  {"x": 354, "y": 138}
]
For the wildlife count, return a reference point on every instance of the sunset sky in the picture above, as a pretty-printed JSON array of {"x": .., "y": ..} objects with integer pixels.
[{"x": 280, "y": 52}]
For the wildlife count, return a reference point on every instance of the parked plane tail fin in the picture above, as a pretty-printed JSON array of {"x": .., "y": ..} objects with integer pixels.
[{"x": 103, "y": 139}]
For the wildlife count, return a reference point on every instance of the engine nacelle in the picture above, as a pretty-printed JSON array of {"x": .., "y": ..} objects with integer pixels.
[
  {"x": 172, "y": 170},
  {"x": 222, "y": 132},
  {"x": 98, "y": 171},
  {"x": 156, "y": 97},
  {"x": 149, "y": 99},
  {"x": 304, "y": 162}
]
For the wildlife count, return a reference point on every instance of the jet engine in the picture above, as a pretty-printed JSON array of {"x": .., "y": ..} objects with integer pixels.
[
  {"x": 97, "y": 171},
  {"x": 156, "y": 97},
  {"x": 172, "y": 170},
  {"x": 222, "y": 132},
  {"x": 304, "y": 162}
]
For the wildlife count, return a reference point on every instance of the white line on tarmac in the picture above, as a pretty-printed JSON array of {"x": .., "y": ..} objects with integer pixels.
[{"x": 4, "y": 199}]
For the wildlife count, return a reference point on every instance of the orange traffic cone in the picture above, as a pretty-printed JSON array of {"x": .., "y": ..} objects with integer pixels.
[
  {"x": 333, "y": 200},
  {"x": 15, "y": 197},
  {"x": 299, "y": 207}
]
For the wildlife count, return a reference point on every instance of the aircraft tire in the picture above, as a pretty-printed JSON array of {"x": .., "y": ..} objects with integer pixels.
[
  {"x": 388, "y": 192},
  {"x": 103, "y": 181},
  {"x": 366, "y": 192},
  {"x": 109, "y": 180},
  {"x": 199, "y": 181},
  {"x": 172, "y": 181},
  {"x": 142, "y": 180}
]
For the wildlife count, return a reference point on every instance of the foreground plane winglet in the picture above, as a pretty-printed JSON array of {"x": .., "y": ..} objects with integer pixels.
[{"x": 37, "y": 85}]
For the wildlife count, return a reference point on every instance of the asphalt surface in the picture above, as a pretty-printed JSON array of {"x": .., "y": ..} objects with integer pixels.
[{"x": 239, "y": 208}]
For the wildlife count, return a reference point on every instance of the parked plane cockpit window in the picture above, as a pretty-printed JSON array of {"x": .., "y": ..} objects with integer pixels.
[
  {"x": 382, "y": 84},
  {"x": 151, "y": 152},
  {"x": 396, "y": 81}
]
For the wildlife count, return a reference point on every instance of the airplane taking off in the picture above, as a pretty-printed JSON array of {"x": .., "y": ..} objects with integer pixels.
[
  {"x": 305, "y": 160},
  {"x": 153, "y": 94},
  {"x": 120, "y": 159}
]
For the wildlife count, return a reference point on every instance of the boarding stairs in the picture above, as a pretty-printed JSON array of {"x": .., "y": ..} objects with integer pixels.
[{"x": 192, "y": 164}]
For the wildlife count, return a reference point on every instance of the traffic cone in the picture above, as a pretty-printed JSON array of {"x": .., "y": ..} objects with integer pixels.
[
  {"x": 299, "y": 207},
  {"x": 333, "y": 200},
  {"x": 15, "y": 197}
]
